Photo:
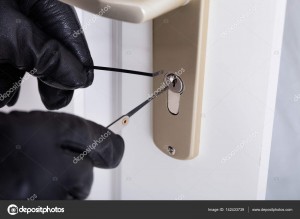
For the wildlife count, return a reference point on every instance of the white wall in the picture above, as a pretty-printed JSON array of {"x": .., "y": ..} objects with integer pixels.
[{"x": 283, "y": 178}]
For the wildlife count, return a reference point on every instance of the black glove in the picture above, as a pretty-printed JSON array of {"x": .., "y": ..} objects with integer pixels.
[
  {"x": 51, "y": 156},
  {"x": 37, "y": 36}
]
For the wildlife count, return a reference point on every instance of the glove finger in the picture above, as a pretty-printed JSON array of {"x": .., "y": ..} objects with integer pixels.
[
  {"x": 38, "y": 133},
  {"x": 30, "y": 48},
  {"x": 14, "y": 98},
  {"x": 54, "y": 98},
  {"x": 10, "y": 81},
  {"x": 91, "y": 141},
  {"x": 104, "y": 154},
  {"x": 64, "y": 27}
]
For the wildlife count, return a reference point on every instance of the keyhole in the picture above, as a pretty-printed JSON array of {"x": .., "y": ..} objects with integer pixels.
[{"x": 174, "y": 82}]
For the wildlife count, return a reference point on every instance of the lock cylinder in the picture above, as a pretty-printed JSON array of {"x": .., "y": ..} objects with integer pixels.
[{"x": 176, "y": 88}]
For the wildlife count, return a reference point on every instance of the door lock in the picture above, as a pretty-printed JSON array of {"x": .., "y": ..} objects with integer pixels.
[
  {"x": 176, "y": 88},
  {"x": 180, "y": 43}
]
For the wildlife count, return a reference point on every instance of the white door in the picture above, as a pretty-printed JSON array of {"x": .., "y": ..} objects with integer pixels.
[
  {"x": 243, "y": 57},
  {"x": 244, "y": 48}
]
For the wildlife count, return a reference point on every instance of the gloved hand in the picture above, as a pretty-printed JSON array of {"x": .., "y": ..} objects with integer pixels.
[
  {"x": 52, "y": 155},
  {"x": 37, "y": 36}
]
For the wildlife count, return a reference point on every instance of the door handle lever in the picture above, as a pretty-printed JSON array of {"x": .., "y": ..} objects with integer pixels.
[{"x": 134, "y": 11}]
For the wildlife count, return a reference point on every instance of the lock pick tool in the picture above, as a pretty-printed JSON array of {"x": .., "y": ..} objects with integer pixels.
[
  {"x": 123, "y": 121},
  {"x": 147, "y": 74}
]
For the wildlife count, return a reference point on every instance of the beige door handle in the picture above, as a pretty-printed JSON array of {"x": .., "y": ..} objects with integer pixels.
[
  {"x": 179, "y": 48},
  {"x": 135, "y": 11}
]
